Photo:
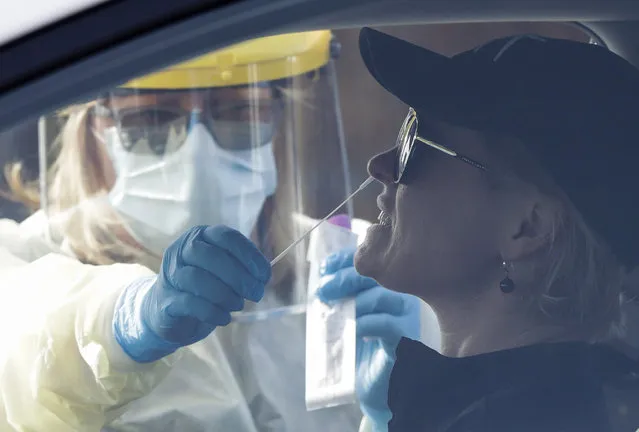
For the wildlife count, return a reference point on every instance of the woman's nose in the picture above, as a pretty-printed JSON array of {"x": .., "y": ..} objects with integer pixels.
[{"x": 382, "y": 166}]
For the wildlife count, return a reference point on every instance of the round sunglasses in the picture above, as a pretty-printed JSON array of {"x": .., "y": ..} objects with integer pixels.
[{"x": 405, "y": 144}]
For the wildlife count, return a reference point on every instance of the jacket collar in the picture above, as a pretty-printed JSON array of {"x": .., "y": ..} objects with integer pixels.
[{"x": 431, "y": 390}]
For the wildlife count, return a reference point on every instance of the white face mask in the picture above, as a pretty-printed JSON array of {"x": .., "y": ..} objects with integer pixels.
[{"x": 197, "y": 183}]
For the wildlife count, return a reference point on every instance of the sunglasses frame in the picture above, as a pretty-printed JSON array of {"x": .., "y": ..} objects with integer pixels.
[{"x": 411, "y": 123}]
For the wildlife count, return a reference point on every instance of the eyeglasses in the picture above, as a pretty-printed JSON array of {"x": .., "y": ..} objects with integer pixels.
[
  {"x": 406, "y": 138},
  {"x": 238, "y": 124}
]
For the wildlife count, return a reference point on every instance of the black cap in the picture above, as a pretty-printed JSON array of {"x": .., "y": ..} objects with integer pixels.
[{"x": 574, "y": 105}]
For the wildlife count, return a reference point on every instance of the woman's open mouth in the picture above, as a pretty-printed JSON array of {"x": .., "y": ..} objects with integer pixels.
[{"x": 384, "y": 219}]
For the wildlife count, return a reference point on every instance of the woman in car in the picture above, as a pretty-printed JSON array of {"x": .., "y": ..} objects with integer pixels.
[{"x": 510, "y": 206}]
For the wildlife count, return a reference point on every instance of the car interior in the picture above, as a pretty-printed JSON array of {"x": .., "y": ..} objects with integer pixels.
[{"x": 103, "y": 46}]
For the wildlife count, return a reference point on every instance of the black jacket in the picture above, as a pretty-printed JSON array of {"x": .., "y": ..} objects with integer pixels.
[{"x": 560, "y": 387}]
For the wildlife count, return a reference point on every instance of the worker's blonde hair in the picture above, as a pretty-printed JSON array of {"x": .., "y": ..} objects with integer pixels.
[{"x": 76, "y": 181}]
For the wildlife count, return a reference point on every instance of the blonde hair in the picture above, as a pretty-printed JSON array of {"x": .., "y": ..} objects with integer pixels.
[
  {"x": 582, "y": 282},
  {"x": 581, "y": 278},
  {"x": 77, "y": 180}
]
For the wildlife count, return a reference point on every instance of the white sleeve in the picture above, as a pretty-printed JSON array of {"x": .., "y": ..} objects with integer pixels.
[
  {"x": 60, "y": 366},
  {"x": 22, "y": 243}
]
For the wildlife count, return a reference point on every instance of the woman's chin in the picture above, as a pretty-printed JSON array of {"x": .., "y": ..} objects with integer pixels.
[{"x": 369, "y": 259}]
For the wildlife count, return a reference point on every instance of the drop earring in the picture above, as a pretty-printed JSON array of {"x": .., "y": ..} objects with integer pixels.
[{"x": 506, "y": 285}]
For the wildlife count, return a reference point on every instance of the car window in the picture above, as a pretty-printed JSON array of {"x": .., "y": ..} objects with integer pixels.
[{"x": 266, "y": 137}]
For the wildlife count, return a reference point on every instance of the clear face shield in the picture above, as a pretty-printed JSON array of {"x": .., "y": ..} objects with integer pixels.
[
  {"x": 186, "y": 158},
  {"x": 256, "y": 145}
]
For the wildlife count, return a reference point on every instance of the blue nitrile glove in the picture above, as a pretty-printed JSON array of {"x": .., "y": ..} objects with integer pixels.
[
  {"x": 205, "y": 275},
  {"x": 383, "y": 318}
]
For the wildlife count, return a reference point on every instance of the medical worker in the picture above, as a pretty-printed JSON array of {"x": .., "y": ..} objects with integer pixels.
[{"x": 177, "y": 171}]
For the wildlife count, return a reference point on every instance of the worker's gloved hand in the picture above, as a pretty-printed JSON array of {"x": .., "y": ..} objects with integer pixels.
[
  {"x": 205, "y": 275},
  {"x": 383, "y": 318}
]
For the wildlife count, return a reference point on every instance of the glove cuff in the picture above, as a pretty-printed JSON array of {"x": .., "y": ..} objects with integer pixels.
[{"x": 135, "y": 338}]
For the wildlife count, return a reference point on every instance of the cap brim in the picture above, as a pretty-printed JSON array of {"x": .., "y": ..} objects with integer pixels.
[{"x": 429, "y": 82}]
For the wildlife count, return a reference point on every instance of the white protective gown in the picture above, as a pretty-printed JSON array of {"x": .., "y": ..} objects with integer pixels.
[
  {"x": 60, "y": 368},
  {"x": 63, "y": 371}
]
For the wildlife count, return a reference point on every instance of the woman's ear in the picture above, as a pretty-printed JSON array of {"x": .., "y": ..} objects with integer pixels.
[{"x": 530, "y": 226}]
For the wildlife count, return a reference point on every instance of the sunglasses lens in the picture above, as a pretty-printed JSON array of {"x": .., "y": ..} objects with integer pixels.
[{"x": 405, "y": 141}]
